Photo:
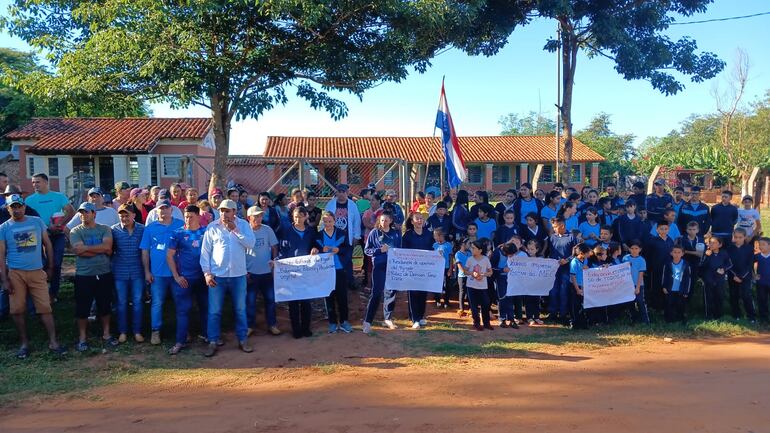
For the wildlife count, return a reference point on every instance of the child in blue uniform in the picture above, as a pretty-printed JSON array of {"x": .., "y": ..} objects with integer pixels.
[
  {"x": 581, "y": 253},
  {"x": 762, "y": 266},
  {"x": 331, "y": 240},
  {"x": 441, "y": 245},
  {"x": 676, "y": 285},
  {"x": 383, "y": 237},
  {"x": 716, "y": 264},
  {"x": 638, "y": 269},
  {"x": 299, "y": 240}
]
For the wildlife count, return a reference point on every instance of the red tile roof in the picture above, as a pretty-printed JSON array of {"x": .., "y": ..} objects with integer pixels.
[
  {"x": 106, "y": 136},
  {"x": 426, "y": 149}
]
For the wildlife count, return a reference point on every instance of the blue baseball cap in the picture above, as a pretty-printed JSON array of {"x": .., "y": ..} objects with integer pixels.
[
  {"x": 162, "y": 203},
  {"x": 95, "y": 190},
  {"x": 87, "y": 206}
]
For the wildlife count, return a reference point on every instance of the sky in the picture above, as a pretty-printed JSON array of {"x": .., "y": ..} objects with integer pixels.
[{"x": 519, "y": 79}]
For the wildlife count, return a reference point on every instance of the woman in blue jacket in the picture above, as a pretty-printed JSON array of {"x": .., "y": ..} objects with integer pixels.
[
  {"x": 383, "y": 237},
  {"x": 299, "y": 240},
  {"x": 460, "y": 214}
]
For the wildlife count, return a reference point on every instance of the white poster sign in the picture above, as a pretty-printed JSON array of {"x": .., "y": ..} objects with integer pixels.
[
  {"x": 533, "y": 276},
  {"x": 414, "y": 270},
  {"x": 304, "y": 277},
  {"x": 608, "y": 286}
]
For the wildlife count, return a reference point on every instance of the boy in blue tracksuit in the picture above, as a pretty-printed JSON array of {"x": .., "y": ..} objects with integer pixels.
[
  {"x": 657, "y": 251},
  {"x": 560, "y": 245},
  {"x": 445, "y": 248},
  {"x": 741, "y": 277},
  {"x": 630, "y": 225},
  {"x": 677, "y": 281},
  {"x": 383, "y": 237},
  {"x": 762, "y": 264},
  {"x": 696, "y": 211},
  {"x": 724, "y": 216}
]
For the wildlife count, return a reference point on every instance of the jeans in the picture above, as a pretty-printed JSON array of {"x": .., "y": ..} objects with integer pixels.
[
  {"x": 183, "y": 304},
  {"x": 59, "y": 242},
  {"x": 558, "y": 302},
  {"x": 462, "y": 291},
  {"x": 130, "y": 291},
  {"x": 159, "y": 288},
  {"x": 200, "y": 291},
  {"x": 504, "y": 303},
  {"x": 479, "y": 298},
  {"x": 236, "y": 286},
  {"x": 262, "y": 283},
  {"x": 337, "y": 301},
  {"x": 378, "y": 293},
  {"x": 741, "y": 292}
]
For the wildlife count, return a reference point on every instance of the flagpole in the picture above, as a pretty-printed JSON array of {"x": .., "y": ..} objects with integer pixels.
[{"x": 443, "y": 166}]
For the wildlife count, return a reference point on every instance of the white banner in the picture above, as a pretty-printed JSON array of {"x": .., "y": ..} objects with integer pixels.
[
  {"x": 608, "y": 286},
  {"x": 531, "y": 276},
  {"x": 304, "y": 277},
  {"x": 414, "y": 270}
]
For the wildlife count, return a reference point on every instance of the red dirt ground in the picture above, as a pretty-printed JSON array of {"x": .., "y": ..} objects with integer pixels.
[{"x": 704, "y": 386}]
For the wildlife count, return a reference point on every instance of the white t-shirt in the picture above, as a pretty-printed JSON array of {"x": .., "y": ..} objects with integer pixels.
[
  {"x": 106, "y": 216},
  {"x": 747, "y": 219},
  {"x": 482, "y": 266}
]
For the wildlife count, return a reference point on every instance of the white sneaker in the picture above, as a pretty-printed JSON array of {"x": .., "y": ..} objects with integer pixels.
[
  {"x": 367, "y": 327},
  {"x": 416, "y": 325},
  {"x": 390, "y": 324},
  {"x": 423, "y": 322}
]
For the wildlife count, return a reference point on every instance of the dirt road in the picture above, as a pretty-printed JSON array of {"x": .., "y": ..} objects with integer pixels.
[{"x": 705, "y": 386}]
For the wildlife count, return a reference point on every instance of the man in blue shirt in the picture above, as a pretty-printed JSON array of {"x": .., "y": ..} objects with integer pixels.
[
  {"x": 658, "y": 202},
  {"x": 183, "y": 259},
  {"x": 55, "y": 210},
  {"x": 22, "y": 239},
  {"x": 696, "y": 211},
  {"x": 724, "y": 216},
  {"x": 155, "y": 241},
  {"x": 128, "y": 271}
]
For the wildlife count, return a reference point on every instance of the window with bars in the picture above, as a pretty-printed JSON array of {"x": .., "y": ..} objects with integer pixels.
[
  {"x": 546, "y": 174},
  {"x": 476, "y": 174},
  {"x": 577, "y": 173},
  {"x": 171, "y": 166},
  {"x": 501, "y": 174},
  {"x": 53, "y": 167}
]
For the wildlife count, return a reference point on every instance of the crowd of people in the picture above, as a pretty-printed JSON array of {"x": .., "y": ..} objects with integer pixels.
[{"x": 197, "y": 248}]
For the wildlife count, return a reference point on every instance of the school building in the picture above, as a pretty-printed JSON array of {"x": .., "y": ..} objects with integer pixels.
[
  {"x": 407, "y": 164},
  {"x": 79, "y": 153}
]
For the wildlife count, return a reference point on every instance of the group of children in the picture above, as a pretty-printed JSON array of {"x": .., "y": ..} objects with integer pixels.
[{"x": 667, "y": 256}]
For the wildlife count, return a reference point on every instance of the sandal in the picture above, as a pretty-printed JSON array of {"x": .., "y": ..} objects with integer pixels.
[
  {"x": 175, "y": 349},
  {"x": 23, "y": 353},
  {"x": 82, "y": 346}
]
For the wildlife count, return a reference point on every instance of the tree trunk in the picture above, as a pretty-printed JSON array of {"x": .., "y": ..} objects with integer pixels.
[
  {"x": 569, "y": 58},
  {"x": 221, "y": 124}
]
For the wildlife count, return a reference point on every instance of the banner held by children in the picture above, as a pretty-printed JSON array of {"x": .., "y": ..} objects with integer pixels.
[
  {"x": 414, "y": 270},
  {"x": 304, "y": 277},
  {"x": 531, "y": 276},
  {"x": 608, "y": 286}
]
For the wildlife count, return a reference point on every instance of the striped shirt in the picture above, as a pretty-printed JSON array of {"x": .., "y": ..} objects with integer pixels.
[{"x": 127, "y": 257}]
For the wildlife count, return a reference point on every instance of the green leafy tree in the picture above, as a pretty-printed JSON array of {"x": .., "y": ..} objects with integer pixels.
[
  {"x": 17, "y": 106},
  {"x": 240, "y": 58},
  {"x": 617, "y": 149},
  {"x": 630, "y": 33},
  {"x": 531, "y": 123}
]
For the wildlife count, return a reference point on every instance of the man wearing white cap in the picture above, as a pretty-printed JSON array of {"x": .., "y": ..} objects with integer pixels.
[
  {"x": 260, "y": 273},
  {"x": 223, "y": 261}
]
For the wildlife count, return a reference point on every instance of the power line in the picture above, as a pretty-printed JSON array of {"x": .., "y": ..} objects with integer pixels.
[{"x": 721, "y": 19}]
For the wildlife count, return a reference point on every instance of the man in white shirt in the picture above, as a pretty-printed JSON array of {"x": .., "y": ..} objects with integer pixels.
[
  {"x": 106, "y": 216},
  {"x": 154, "y": 214},
  {"x": 223, "y": 261}
]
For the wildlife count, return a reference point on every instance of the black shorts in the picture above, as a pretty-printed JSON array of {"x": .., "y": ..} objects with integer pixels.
[{"x": 90, "y": 288}]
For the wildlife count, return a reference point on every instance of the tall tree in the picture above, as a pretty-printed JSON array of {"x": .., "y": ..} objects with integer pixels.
[
  {"x": 532, "y": 123},
  {"x": 631, "y": 34},
  {"x": 18, "y": 105},
  {"x": 239, "y": 58},
  {"x": 616, "y": 148}
]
